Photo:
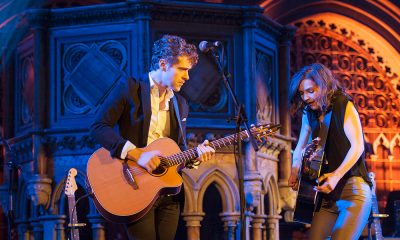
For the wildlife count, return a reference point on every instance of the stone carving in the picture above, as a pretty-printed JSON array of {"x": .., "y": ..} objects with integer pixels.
[
  {"x": 264, "y": 88},
  {"x": 26, "y": 77},
  {"x": 216, "y": 102},
  {"x": 287, "y": 201},
  {"x": 79, "y": 61},
  {"x": 72, "y": 142},
  {"x": 39, "y": 190},
  {"x": 252, "y": 189}
]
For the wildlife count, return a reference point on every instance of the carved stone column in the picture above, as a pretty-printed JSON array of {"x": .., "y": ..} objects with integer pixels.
[
  {"x": 257, "y": 226},
  {"x": 249, "y": 26},
  {"x": 284, "y": 82},
  {"x": 252, "y": 186},
  {"x": 39, "y": 190},
  {"x": 51, "y": 225},
  {"x": 142, "y": 20},
  {"x": 38, "y": 184},
  {"x": 284, "y": 115},
  {"x": 230, "y": 223},
  {"x": 249, "y": 219},
  {"x": 193, "y": 224},
  {"x": 273, "y": 226},
  {"x": 38, "y": 22},
  {"x": 97, "y": 224},
  {"x": 23, "y": 230},
  {"x": 252, "y": 178},
  {"x": 37, "y": 229},
  {"x": 8, "y": 86},
  {"x": 60, "y": 229}
]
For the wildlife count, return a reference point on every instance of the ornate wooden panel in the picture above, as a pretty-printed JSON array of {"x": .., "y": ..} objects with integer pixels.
[
  {"x": 266, "y": 87},
  {"x": 206, "y": 92},
  {"x": 85, "y": 67},
  {"x": 370, "y": 82}
]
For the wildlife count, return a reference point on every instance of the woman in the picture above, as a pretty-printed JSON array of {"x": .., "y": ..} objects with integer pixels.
[{"x": 343, "y": 183}]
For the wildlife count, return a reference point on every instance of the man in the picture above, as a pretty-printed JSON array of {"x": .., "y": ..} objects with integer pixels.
[{"x": 144, "y": 111}]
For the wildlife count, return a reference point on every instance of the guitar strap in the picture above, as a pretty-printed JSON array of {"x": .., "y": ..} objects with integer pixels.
[
  {"x": 323, "y": 135},
  {"x": 324, "y": 129},
  {"x": 176, "y": 109}
]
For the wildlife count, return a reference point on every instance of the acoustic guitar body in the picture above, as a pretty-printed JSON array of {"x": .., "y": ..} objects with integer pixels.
[{"x": 116, "y": 198}]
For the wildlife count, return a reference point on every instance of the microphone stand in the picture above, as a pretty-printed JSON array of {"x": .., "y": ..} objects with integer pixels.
[
  {"x": 240, "y": 119},
  {"x": 10, "y": 158}
]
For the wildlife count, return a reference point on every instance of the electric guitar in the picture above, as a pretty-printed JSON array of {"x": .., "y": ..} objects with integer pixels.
[
  {"x": 311, "y": 163},
  {"x": 124, "y": 192},
  {"x": 375, "y": 210},
  {"x": 70, "y": 188}
]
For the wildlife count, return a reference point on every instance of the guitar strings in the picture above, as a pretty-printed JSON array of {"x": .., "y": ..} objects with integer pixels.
[{"x": 189, "y": 154}]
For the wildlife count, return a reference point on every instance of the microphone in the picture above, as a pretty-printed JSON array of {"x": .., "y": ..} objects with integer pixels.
[{"x": 205, "y": 46}]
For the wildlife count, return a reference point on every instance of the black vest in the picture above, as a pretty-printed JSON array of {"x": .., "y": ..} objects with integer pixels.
[{"x": 337, "y": 144}]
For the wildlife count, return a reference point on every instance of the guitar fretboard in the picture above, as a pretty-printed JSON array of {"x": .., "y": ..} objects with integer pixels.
[
  {"x": 188, "y": 155},
  {"x": 73, "y": 216}
]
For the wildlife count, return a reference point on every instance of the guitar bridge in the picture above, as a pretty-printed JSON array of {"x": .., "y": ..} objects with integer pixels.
[{"x": 129, "y": 177}]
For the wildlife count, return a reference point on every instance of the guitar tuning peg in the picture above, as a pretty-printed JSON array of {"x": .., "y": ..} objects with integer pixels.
[{"x": 252, "y": 125}]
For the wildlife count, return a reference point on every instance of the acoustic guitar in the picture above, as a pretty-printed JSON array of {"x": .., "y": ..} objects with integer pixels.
[
  {"x": 311, "y": 164},
  {"x": 124, "y": 192}
]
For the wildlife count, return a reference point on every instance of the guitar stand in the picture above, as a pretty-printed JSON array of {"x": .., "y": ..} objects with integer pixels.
[
  {"x": 76, "y": 225},
  {"x": 71, "y": 228},
  {"x": 371, "y": 220}
]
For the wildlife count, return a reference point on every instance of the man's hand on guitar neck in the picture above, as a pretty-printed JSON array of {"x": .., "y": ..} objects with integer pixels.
[
  {"x": 147, "y": 160},
  {"x": 205, "y": 152},
  {"x": 150, "y": 160}
]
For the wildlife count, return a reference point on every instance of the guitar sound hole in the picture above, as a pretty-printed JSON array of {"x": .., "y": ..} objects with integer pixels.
[{"x": 160, "y": 170}]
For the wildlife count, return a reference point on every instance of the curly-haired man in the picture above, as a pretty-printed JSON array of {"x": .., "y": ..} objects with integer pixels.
[{"x": 144, "y": 112}]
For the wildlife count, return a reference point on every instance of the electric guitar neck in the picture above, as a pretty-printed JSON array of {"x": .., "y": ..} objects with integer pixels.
[{"x": 70, "y": 188}]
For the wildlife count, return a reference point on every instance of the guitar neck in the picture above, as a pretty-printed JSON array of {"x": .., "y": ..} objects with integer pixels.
[
  {"x": 377, "y": 222},
  {"x": 73, "y": 218},
  {"x": 189, "y": 155}
]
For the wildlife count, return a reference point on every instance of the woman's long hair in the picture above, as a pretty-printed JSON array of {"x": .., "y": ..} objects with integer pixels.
[{"x": 322, "y": 77}]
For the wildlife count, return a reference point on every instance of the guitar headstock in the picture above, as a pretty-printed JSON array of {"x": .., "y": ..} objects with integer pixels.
[
  {"x": 70, "y": 185},
  {"x": 261, "y": 131}
]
